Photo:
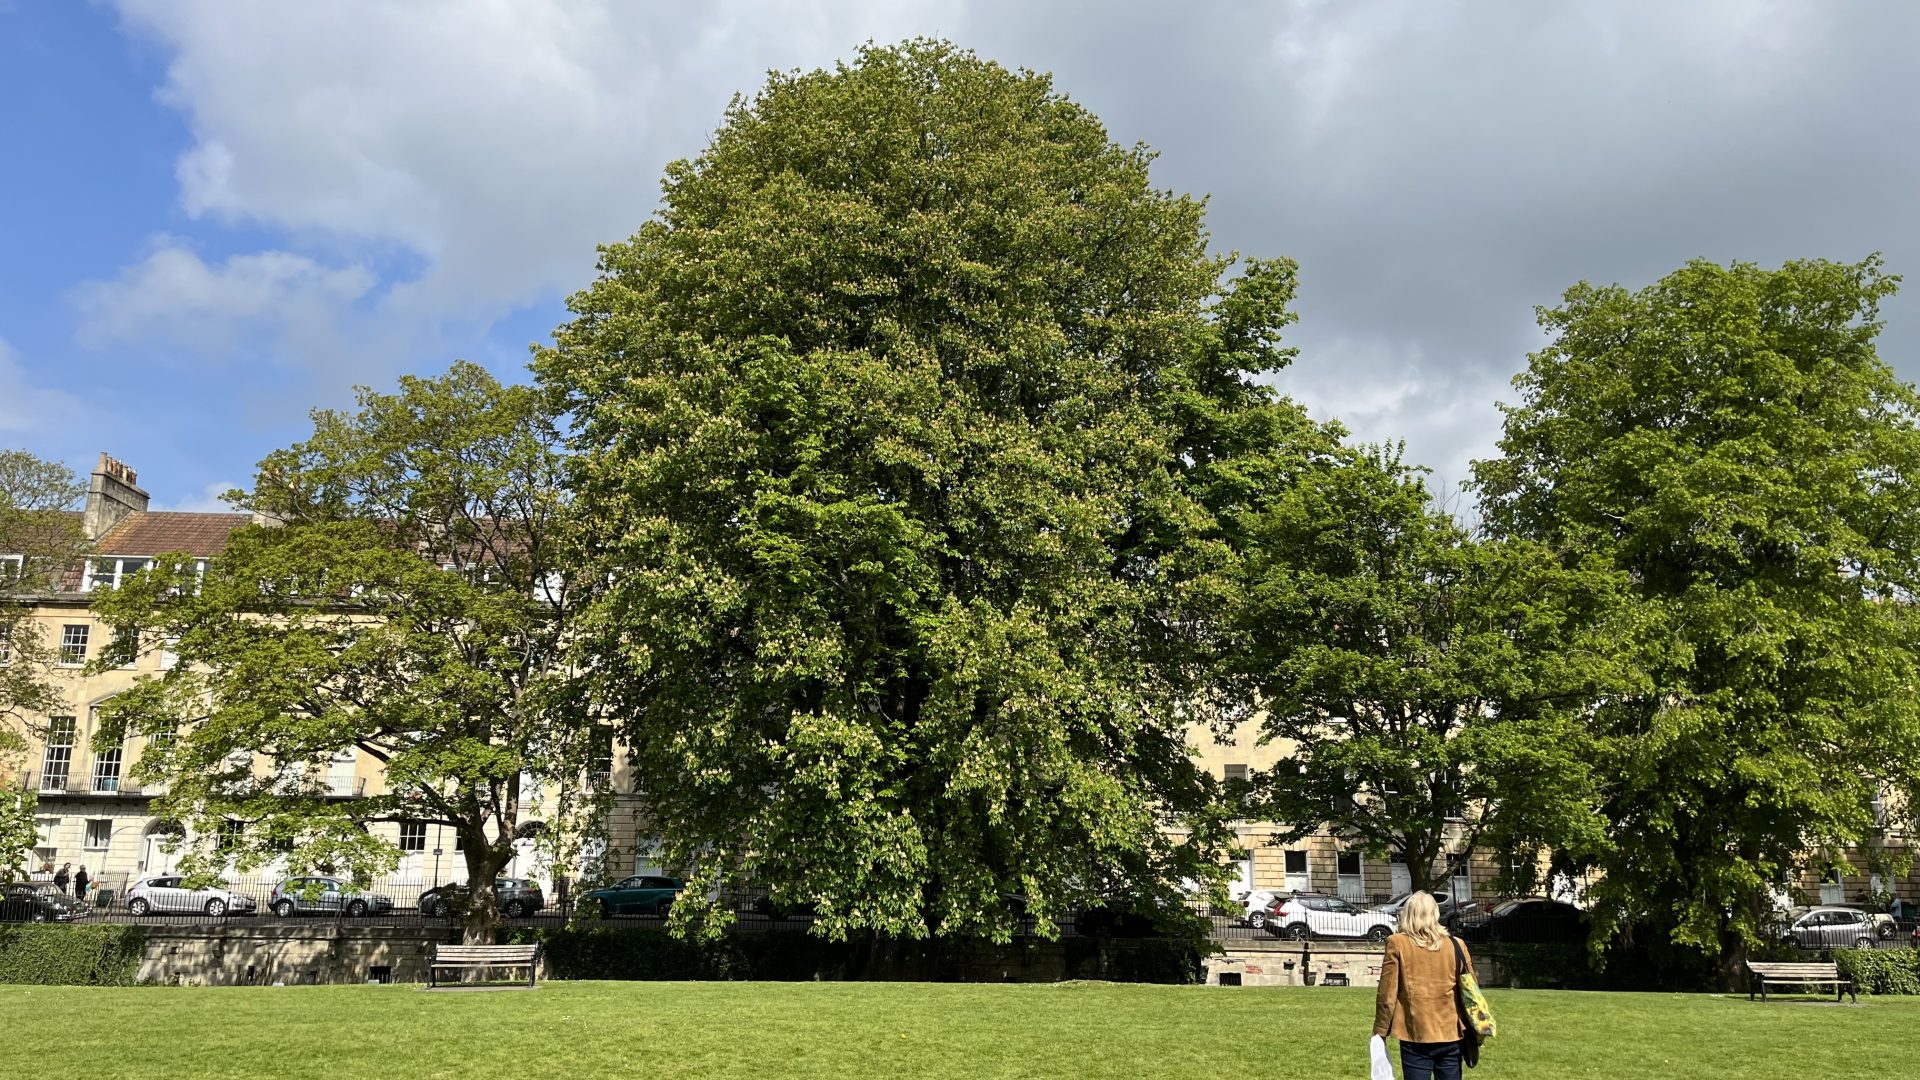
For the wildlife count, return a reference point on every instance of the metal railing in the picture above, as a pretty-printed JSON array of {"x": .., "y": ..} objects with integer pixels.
[{"x": 76, "y": 782}]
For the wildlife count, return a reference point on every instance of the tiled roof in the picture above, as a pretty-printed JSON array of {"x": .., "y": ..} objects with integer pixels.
[{"x": 152, "y": 532}]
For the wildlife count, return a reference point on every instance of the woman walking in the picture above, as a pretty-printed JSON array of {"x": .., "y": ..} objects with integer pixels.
[{"x": 1415, "y": 1003}]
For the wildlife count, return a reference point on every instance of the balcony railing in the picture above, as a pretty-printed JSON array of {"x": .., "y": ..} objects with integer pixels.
[{"x": 75, "y": 782}]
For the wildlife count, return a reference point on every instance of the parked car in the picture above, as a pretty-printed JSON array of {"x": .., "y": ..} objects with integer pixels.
[
  {"x": 1445, "y": 901},
  {"x": 170, "y": 893},
  {"x": 772, "y": 909},
  {"x": 1309, "y": 915},
  {"x": 325, "y": 896},
  {"x": 515, "y": 897},
  {"x": 1838, "y": 928},
  {"x": 1532, "y": 920},
  {"x": 1254, "y": 906},
  {"x": 641, "y": 894},
  {"x": 39, "y": 901}
]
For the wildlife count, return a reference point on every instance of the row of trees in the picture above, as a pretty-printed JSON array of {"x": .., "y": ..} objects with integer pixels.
[{"x": 905, "y": 493}]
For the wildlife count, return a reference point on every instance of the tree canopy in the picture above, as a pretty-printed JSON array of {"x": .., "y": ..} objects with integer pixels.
[
  {"x": 1430, "y": 690},
  {"x": 912, "y": 435},
  {"x": 39, "y": 541},
  {"x": 407, "y": 599},
  {"x": 1730, "y": 439}
]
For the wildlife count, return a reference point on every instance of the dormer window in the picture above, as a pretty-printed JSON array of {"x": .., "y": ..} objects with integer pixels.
[{"x": 108, "y": 573}]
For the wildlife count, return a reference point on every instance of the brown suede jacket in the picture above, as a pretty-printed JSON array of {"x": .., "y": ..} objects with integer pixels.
[{"x": 1415, "y": 1002}]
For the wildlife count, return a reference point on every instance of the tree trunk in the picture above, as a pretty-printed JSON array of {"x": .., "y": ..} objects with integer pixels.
[
  {"x": 482, "y": 916},
  {"x": 1733, "y": 960}
]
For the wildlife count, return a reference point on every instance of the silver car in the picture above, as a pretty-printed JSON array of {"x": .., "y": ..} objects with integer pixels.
[
  {"x": 1838, "y": 928},
  {"x": 325, "y": 896},
  {"x": 170, "y": 893}
]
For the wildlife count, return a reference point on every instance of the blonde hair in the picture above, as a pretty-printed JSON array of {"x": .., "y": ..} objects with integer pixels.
[{"x": 1420, "y": 920}]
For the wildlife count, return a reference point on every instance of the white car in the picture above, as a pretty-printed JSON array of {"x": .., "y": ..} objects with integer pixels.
[
  {"x": 169, "y": 893},
  {"x": 1304, "y": 916}
]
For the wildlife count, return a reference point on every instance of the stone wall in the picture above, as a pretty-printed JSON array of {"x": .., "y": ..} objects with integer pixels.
[{"x": 294, "y": 953}]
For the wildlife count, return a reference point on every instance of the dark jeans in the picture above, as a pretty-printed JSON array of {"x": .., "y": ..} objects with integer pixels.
[{"x": 1430, "y": 1061}]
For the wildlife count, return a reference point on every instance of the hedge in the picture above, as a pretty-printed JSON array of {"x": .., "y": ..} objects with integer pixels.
[
  {"x": 1878, "y": 971},
  {"x": 98, "y": 955},
  {"x": 635, "y": 953}
]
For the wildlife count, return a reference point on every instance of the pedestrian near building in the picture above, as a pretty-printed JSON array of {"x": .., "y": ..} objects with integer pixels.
[
  {"x": 1415, "y": 1002},
  {"x": 80, "y": 880},
  {"x": 62, "y": 876}
]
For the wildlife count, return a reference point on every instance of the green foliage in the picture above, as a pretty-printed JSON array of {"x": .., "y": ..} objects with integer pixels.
[
  {"x": 98, "y": 955},
  {"x": 1881, "y": 971},
  {"x": 33, "y": 497},
  {"x": 1431, "y": 689},
  {"x": 407, "y": 601},
  {"x": 18, "y": 832},
  {"x": 1730, "y": 439},
  {"x": 623, "y": 953},
  {"x": 910, "y": 438}
]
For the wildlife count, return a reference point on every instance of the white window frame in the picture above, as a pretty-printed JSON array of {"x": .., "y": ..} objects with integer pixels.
[
  {"x": 1460, "y": 877},
  {"x": 1236, "y": 770},
  {"x": 87, "y": 838},
  {"x": 1351, "y": 887},
  {"x": 6, "y": 644},
  {"x": 60, "y": 753},
  {"x": 413, "y": 836},
  {"x": 93, "y": 578},
  {"x": 68, "y": 646},
  {"x": 19, "y": 565},
  {"x": 1301, "y": 881}
]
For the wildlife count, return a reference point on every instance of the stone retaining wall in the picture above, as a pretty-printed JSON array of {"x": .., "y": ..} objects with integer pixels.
[{"x": 294, "y": 953}]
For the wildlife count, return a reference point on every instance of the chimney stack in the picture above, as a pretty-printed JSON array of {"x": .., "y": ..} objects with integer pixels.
[{"x": 111, "y": 496}]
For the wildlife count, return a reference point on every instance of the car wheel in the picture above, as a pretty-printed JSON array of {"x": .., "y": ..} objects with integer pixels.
[
  {"x": 606, "y": 909},
  {"x": 660, "y": 909},
  {"x": 216, "y": 907},
  {"x": 283, "y": 908},
  {"x": 137, "y": 906},
  {"x": 1299, "y": 931},
  {"x": 1887, "y": 931},
  {"x": 1863, "y": 942},
  {"x": 1378, "y": 933},
  {"x": 1257, "y": 920},
  {"x": 514, "y": 909},
  {"x": 357, "y": 909},
  {"x": 429, "y": 909},
  {"x": 39, "y": 916}
]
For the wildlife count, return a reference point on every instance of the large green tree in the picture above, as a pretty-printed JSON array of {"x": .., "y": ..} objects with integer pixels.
[
  {"x": 910, "y": 437},
  {"x": 1430, "y": 690},
  {"x": 1730, "y": 438},
  {"x": 408, "y": 600},
  {"x": 40, "y": 540}
]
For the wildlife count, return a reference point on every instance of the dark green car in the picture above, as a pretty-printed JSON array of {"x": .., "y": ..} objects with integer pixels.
[{"x": 642, "y": 894}]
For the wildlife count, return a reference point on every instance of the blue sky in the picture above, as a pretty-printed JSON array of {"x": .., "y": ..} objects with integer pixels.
[{"x": 216, "y": 215}]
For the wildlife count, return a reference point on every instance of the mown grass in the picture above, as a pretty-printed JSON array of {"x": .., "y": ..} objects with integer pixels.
[{"x": 774, "y": 1030}]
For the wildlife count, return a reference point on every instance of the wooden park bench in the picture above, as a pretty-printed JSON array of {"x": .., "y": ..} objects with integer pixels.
[
  {"x": 481, "y": 957},
  {"x": 1760, "y": 974}
]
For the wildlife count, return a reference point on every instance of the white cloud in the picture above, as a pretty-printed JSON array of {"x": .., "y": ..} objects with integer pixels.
[
  {"x": 29, "y": 409},
  {"x": 174, "y": 297},
  {"x": 488, "y": 146},
  {"x": 1438, "y": 168},
  {"x": 206, "y": 501}
]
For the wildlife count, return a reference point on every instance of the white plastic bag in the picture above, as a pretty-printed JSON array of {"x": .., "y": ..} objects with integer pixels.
[{"x": 1377, "y": 1049}]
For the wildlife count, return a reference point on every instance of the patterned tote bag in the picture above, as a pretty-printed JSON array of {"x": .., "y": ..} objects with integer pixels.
[{"x": 1473, "y": 1004}]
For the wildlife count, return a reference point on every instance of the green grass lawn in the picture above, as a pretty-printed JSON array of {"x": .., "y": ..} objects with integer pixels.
[{"x": 769, "y": 1030}]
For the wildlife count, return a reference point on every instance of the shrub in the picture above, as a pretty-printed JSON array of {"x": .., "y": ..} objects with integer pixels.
[
  {"x": 1877, "y": 971},
  {"x": 634, "y": 953},
  {"x": 99, "y": 955}
]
